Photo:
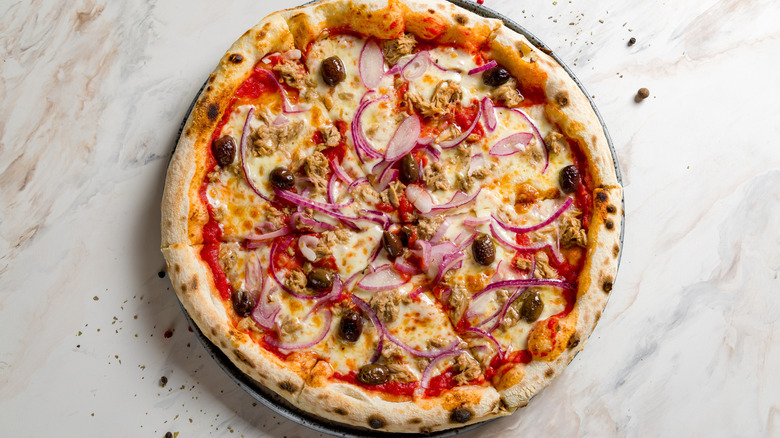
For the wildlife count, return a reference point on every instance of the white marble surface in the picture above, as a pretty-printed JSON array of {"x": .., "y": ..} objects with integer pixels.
[{"x": 91, "y": 97}]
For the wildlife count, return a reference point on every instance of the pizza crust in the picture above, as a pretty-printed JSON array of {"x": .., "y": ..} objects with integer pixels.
[{"x": 183, "y": 213}]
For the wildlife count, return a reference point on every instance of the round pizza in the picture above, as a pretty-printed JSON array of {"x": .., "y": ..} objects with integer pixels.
[{"x": 397, "y": 215}]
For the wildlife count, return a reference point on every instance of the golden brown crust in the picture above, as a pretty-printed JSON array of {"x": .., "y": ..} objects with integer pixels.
[{"x": 303, "y": 381}]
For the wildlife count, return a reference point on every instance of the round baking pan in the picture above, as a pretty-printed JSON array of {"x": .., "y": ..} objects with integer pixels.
[{"x": 284, "y": 408}]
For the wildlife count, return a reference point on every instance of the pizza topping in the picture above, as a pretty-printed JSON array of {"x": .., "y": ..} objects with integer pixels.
[
  {"x": 495, "y": 76},
  {"x": 427, "y": 226},
  {"x": 296, "y": 281},
  {"x": 404, "y": 139},
  {"x": 508, "y": 94},
  {"x": 371, "y": 65},
  {"x": 351, "y": 325},
  {"x": 292, "y": 74},
  {"x": 511, "y": 145},
  {"x": 289, "y": 325},
  {"x": 243, "y": 303},
  {"x": 572, "y": 232},
  {"x": 484, "y": 249},
  {"x": 392, "y": 244},
  {"x": 542, "y": 269},
  {"x": 398, "y": 48},
  {"x": 316, "y": 167},
  {"x": 385, "y": 304},
  {"x": 282, "y": 178},
  {"x": 319, "y": 278},
  {"x": 401, "y": 373},
  {"x": 468, "y": 369},
  {"x": 569, "y": 178},
  {"x": 331, "y": 137},
  {"x": 224, "y": 150},
  {"x": 373, "y": 374},
  {"x": 532, "y": 306},
  {"x": 408, "y": 170},
  {"x": 332, "y": 71},
  {"x": 435, "y": 178},
  {"x": 554, "y": 142},
  {"x": 444, "y": 94},
  {"x": 266, "y": 140}
]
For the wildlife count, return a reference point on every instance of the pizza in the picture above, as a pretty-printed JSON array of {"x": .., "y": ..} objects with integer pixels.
[{"x": 397, "y": 215}]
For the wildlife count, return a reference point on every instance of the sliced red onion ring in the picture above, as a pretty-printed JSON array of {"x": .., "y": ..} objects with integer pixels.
[
  {"x": 306, "y": 244},
  {"x": 386, "y": 177},
  {"x": 332, "y": 195},
  {"x": 441, "y": 231},
  {"x": 358, "y": 136},
  {"x": 428, "y": 372},
  {"x": 362, "y": 305},
  {"x": 417, "y": 66},
  {"x": 538, "y": 137},
  {"x": 511, "y": 145},
  {"x": 281, "y": 119},
  {"x": 496, "y": 232},
  {"x": 477, "y": 162},
  {"x": 490, "y": 113},
  {"x": 462, "y": 245},
  {"x": 384, "y": 278},
  {"x": 404, "y": 139},
  {"x": 442, "y": 255},
  {"x": 453, "y": 261},
  {"x": 287, "y": 107},
  {"x": 264, "y": 313},
  {"x": 255, "y": 241},
  {"x": 419, "y": 197},
  {"x": 371, "y": 65},
  {"x": 425, "y": 141},
  {"x": 459, "y": 199},
  {"x": 423, "y": 251},
  {"x": 301, "y": 221},
  {"x": 340, "y": 172},
  {"x": 357, "y": 182},
  {"x": 284, "y": 345},
  {"x": 476, "y": 221},
  {"x": 416, "y": 293},
  {"x": 490, "y": 338},
  {"x": 306, "y": 202},
  {"x": 483, "y": 67},
  {"x": 459, "y": 139},
  {"x": 403, "y": 266},
  {"x": 499, "y": 317},
  {"x": 544, "y": 223},
  {"x": 242, "y": 154},
  {"x": 528, "y": 282}
]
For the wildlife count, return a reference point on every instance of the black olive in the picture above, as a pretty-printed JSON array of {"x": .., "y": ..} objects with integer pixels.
[
  {"x": 243, "y": 303},
  {"x": 392, "y": 244},
  {"x": 484, "y": 249},
  {"x": 532, "y": 306},
  {"x": 224, "y": 150},
  {"x": 373, "y": 374},
  {"x": 495, "y": 76},
  {"x": 407, "y": 233},
  {"x": 409, "y": 172},
  {"x": 351, "y": 325},
  {"x": 319, "y": 278},
  {"x": 282, "y": 178},
  {"x": 569, "y": 179},
  {"x": 332, "y": 70}
]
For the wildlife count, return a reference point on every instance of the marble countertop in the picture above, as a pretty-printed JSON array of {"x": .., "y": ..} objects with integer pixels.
[{"x": 93, "y": 93}]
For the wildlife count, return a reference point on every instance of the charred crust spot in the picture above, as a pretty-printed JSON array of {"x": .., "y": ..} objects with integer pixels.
[
  {"x": 235, "y": 58},
  {"x": 598, "y": 316},
  {"x": 214, "y": 332},
  {"x": 415, "y": 420},
  {"x": 194, "y": 282},
  {"x": 460, "y": 415},
  {"x": 574, "y": 341},
  {"x": 177, "y": 268},
  {"x": 241, "y": 357},
  {"x": 461, "y": 19},
  {"x": 209, "y": 88},
  {"x": 288, "y": 386},
  {"x": 611, "y": 209},
  {"x": 187, "y": 132},
  {"x": 431, "y": 11},
  {"x": 212, "y": 78},
  {"x": 184, "y": 287},
  {"x": 340, "y": 411},
  {"x": 213, "y": 111},
  {"x": 549, "y": 373},
  {"x": 609, "y": 224},
  {"x": 376, "y": 422},
  {"x": 562, "y": 99},
  {"x": 616, "y": 250},
  {"x": 261, "y": 34},
  {"x": 607, "y": 285},
  {"x": 602, "y": 196}
]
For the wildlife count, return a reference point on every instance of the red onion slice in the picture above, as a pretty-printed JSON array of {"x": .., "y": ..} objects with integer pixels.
[
  {"x": 384, "y": 278},
  {"x": 386, "y": 177},
  {"x": 255, "y": 241},
  {"x": 416, "y": 293},
  {"x": 303, "y": 222},
  {"x": 306, "y": 202},
  {"x": 272, "y": 271},
  {"x": 371, "y": 65},
  {"x": 528, "y": 282},
  {"x": 419, "y": 197},
  {"x": 548, "y": 221},
  {"x": 404, "y": 139},
  {"x": 490, "y": 113},
  {"x": 357, "y": 182},
  {"x": 416, "y": 67},
  {"x": 436, "y": 238},
  {"x": 462, "y": 245},
  {"x": 458, "y": 140},
  {"x": 306, "y": 244},
  {"x": 482, "y": 68},
  {"x": 332, "y": 195},
  {"x": 356, "y": 128},
  {"x": 453, "y": 261},
  {"x": 477, "y": 162},
  {"x": 538, "y": 137},
  {"x": 403, "y": 266},
  {"x": 340, "y": 172},
  {"x": 287, "y": 107},
  {"x": 474, "y": 222},
  {"x": 428, "y": 372},
  {"x": 490, "y": 338},
  {"x": 459, "y": 199},
  {"x": 284, "y": 345},
  {"x": 423, "y": 251},
  {"x": 362, "y": 305},
  {"x": 511, "y": 145},
  {"x": 242, "y": 154}
]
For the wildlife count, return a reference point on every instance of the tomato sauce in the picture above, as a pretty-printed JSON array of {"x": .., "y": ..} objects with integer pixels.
[{"x": 390, "y": 387}]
